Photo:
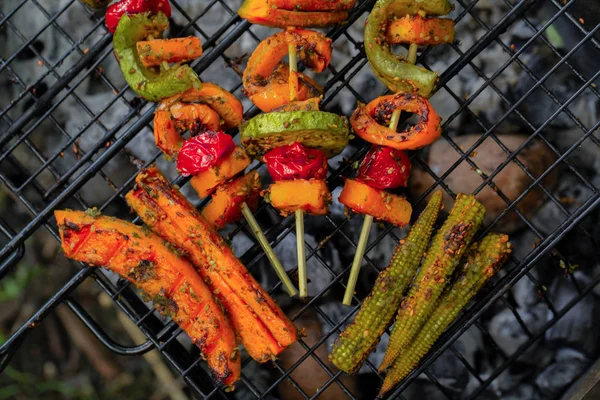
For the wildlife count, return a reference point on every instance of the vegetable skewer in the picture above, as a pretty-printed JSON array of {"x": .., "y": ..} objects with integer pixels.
[
  {"x": 212, "y": 158},
  {"x": 298, "y": 213},
  {"x": 363, "y": 239}
]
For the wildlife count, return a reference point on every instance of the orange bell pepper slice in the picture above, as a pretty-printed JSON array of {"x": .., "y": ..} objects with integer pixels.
[
  {"x": 366, "y": 122},
  {"x": 225, "y": 206},
  {"x": 276, "y": 92},
  {"x": 155, "y": 52},
  {"x": 421, "y": 31},
  {"x": 381, "y": 205},
  {"x": 261, "y": 12},
  {"x": 266, "y": 77},
  {"x": 206, "y": 182}
]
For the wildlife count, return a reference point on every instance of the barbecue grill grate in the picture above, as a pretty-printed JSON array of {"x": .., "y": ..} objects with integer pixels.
[{"x": 23, "y": 181}]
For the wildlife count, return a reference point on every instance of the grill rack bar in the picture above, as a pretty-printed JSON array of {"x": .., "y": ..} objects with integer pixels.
[{"x": 241, "y": 27}]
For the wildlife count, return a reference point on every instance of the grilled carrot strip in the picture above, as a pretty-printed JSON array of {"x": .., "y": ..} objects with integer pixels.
[
  {"x": 359, "y": 339},
  {"x": 155, "y": 52},
  {"x": 444, "y": 254},
  {"x": 142, "y": 258},
  {"x": 421, "y": 31},
  {"x": 264, "y": 330},
  {"x": 483, "y": 259}
]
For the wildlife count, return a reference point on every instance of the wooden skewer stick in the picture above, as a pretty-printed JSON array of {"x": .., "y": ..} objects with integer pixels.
[
  {"x": 299, "y": 214},
  {"x": 368, "y": 221},
  {"x": 266, "y": 246}
]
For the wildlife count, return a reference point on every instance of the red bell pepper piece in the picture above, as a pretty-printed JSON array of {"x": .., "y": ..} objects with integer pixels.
[
  {"x": 296, "y": 162},
  {"x": 116, "y": 11},
  {"x": 201, "y": 152},
  {"x": 384, "y": 168}
]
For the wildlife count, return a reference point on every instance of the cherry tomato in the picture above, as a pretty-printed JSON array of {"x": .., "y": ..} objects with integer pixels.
[
  {"x": 296, "y": 162},
  {"x": 201, "y": 152},
  {"x": 384, "y": 168}
]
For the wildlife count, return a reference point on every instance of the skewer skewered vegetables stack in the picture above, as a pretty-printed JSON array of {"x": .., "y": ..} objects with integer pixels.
[
  {"x": 295, "y": 137},
  {"x": 413, "y": 83}
]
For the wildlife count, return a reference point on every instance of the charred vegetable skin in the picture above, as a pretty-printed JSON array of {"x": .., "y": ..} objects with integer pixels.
[
  {"x": 141, "y": 257},
  {"x": 262, "y": 12},
  {"x": 118, "y": 9},
  {"x": 364, "y": 199},
  {"x": 314, "y": 129},
  {"x": 263, "y": 328},
  {"x": 260, "y": 74},
  {"x": 361, "y": 337},
  {"x": 483, "y": 259},
  {"x": 369, "y": 122},
  {"x": 146, "y": 82},
  {"x": 197, "y": 110},
  {"x": 397, "y": 75},
  {"x": 444, "y": 254}
]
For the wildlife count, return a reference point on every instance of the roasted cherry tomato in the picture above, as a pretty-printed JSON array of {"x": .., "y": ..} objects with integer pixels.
[
  {"x": 296, "y": 162},
  {"x": 116, "y": 11},
  {"x": 384, "y": 168},
  {"x": 201, "y": 152}
]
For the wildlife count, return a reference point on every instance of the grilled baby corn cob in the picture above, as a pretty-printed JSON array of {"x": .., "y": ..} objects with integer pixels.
[
  {"x": 444, "y": 254},
  {"x": 483, "y": 259},
  {"x": 360, "y": 338}
]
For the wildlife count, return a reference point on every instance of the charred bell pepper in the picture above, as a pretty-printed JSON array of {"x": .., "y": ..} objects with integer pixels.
[
  {"x": 146, "y": 82},
  {"x": 370, "y": 122},
  {"x": 201, "y": 152},
  {"x": 274, "y": 93},
  {"x": 261, "y": 12},
  {"x": 264, "y": 66},
  {"x": 117, "y": 10},
  {"x": 384, "y": 168},
  {"x": 296, "y": 162},
  {"x": 421, "y": 31},
  {"x": 397, "y": 75}
]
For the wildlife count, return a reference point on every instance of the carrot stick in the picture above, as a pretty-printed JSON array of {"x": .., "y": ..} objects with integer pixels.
[
  {"x": 142, "y": 258},
  {"x": 155, "y": 52}
]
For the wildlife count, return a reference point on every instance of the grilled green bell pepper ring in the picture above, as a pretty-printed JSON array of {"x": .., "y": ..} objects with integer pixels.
[
  {"x": 397, "y": 75},
  {"x": 148, "y": 82}
]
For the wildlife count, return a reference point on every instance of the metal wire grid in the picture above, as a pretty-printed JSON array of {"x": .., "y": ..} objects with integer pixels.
[{"x": 24, "y": 183}]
